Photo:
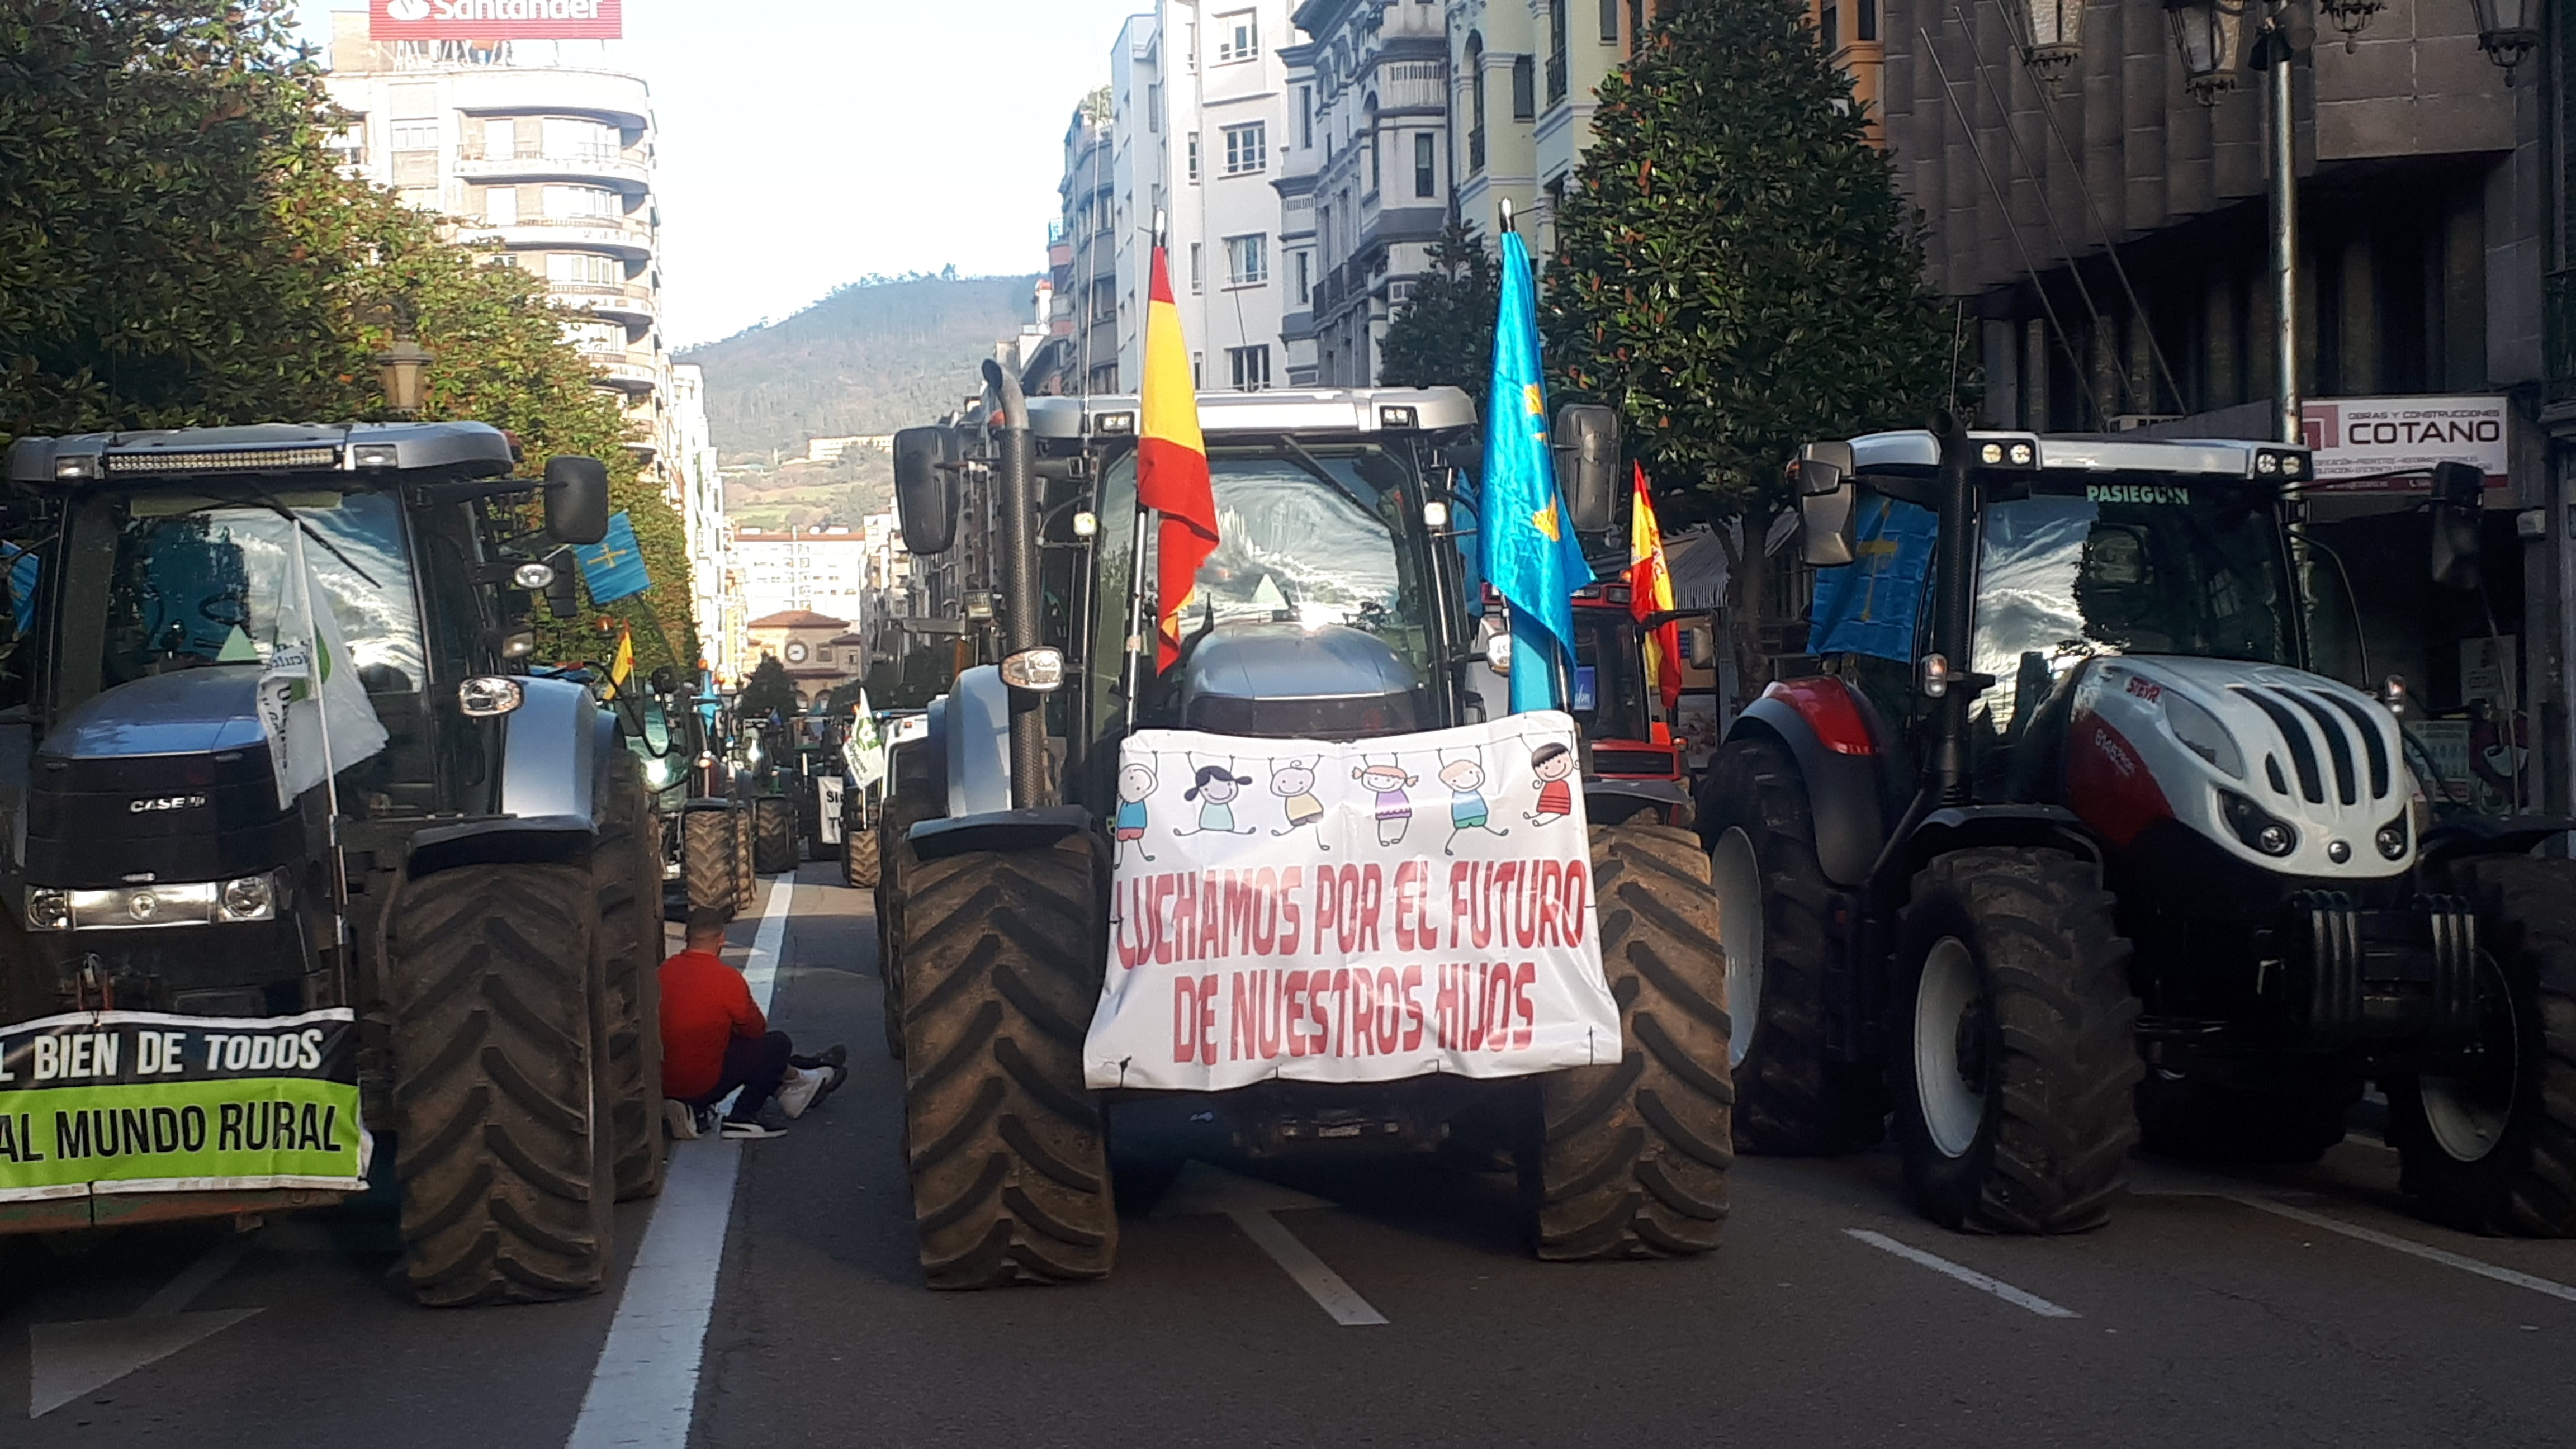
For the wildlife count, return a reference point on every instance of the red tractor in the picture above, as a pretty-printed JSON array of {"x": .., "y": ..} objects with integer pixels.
[{"x": 2069, "y": 846}]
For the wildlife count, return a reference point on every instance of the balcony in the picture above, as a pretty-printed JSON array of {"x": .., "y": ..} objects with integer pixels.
[
  {"x": 620, "y": 370},
  {"x": 630, "y": 239},
  {"x": 585, "y": 163},
  {"x": 1556, "y": 78},
  {"x": 634, "y": 306}
]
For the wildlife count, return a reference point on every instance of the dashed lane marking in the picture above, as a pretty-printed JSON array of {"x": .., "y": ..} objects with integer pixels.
[
  {"x": 66, "y": 1361},
  {"x": 1248, "y": 1203},
  {"x": 645, "y": 1387},
  {"x": 1970, "y": 1276},
  {"x": 2395, "y": 1244}
]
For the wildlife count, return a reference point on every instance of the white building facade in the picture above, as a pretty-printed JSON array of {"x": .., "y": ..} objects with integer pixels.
[
  {"x": 702, "y": 515},
  {"x": 821, "y": 570}
]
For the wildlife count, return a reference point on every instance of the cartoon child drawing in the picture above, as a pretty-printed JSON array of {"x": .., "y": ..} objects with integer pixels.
[
  {"x": 1215, "y": 791},
  {"x": 1555, "y": 767},
  {"x": 1394, "y": 811},
  {"x": 1465, "y": 778},
  {"x": 1294, "y": 784},
  {"x": 1135, "y": 782}
]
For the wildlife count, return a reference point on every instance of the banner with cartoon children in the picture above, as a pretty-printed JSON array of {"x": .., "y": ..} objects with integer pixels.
[{"x": 1350, "y": 912}]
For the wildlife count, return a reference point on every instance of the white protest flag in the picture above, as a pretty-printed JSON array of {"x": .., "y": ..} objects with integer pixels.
[
  {"x": 1355, "y": 912},
  {"x": 865, "y": 749},
  {"x": 312, "y": 706}
]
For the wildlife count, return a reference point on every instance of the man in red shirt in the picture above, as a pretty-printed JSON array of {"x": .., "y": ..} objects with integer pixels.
[{"x": 714, "y": 1041}]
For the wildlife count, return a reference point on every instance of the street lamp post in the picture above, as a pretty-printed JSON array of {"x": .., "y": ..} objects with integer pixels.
[{"x": 403, "y": 369}]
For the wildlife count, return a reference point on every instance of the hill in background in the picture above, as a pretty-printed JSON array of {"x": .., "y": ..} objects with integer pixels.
[{"x": 870, "y": 358}]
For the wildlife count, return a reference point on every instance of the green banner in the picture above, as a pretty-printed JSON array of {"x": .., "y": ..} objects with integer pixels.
[{"x": 116, "y": 1102}]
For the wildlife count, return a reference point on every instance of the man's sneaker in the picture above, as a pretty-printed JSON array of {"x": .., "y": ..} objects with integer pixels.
[
  {"x": 681, "y": 1119},
  {"x": 832, "y": 1083},
  {"x": 833, "y": 1056},
  {"x": 755, "y": 1129},
  {"x": 710, "y": 1121},
  {"x": 798, "y": 1091}
]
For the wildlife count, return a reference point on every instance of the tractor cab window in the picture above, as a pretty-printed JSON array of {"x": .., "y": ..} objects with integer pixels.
[
  {"x": 1609, "y": 675},
  {"x": 2138, "y": 566}
]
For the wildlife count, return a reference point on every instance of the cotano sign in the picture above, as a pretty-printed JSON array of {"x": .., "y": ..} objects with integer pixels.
[{"x": 495, "y": 19}]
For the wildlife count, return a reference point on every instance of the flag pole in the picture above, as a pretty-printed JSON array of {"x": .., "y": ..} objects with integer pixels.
[
  {"x": 313, "y": 663},
  {"x": 1136, "y": 544}
]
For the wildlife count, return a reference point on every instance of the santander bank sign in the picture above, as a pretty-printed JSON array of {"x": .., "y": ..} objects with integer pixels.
[{"x": 495, "y": 19}]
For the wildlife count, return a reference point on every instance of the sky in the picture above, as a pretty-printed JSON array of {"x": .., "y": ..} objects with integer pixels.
[{"x": 809, "y": 143}]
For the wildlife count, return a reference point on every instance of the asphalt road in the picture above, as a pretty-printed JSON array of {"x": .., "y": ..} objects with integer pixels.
[{"x": 1368, "y": 1305}]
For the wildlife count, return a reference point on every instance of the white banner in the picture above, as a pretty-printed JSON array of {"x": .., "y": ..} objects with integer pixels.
[{"x": 1351, "y": 912}]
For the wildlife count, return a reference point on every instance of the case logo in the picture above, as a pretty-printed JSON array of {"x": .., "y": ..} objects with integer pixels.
[{"x": 151, "y": 804}]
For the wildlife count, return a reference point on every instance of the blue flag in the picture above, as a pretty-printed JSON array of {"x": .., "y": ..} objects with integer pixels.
[
  {"x": 1531, "y": 556},
  {"x": 1868, "y": 606},
  {"x": 614, "y": 566}
]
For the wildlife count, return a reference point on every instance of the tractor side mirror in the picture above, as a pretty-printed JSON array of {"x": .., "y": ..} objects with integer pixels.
[
  {"x": 1823, "y": 474},
  {"x": 1699, "y": 646},
  {"x": 1587, "y": 464},
  {"x": 925, "y": 488},
  {"x": 576, "y": 499},
  {"x": 2459, "y": 499},
  {"x": 663, "y": 680}
]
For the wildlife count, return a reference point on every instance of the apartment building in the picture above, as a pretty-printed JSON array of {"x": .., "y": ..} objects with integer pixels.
[
  {"x": 822, "y": 569},
  {"x": 702, "y": 515}
]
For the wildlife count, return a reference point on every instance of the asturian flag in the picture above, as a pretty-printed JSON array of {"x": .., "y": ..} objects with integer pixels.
[
  {"x": 1650, "y": 590},
  {"x": 1531, "y": 555},
  {"x": 1172, "y": 465},
  {"x": 312, "y": 706}
]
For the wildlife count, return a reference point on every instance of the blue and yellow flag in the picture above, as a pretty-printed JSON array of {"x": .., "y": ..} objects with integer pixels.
[
  {"x": 1530, "y": 553},
  {"x": 614, "y": 566}
]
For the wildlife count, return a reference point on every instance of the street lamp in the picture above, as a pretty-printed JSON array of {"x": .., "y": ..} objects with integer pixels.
[
  {"x": 2209, "y": 35},
  {"x": 403, "y": 368},
  {"x": 2056, "y": 30},
  {"x": 2507, "y": 30},
  {"x": 2351, "y": 17}
]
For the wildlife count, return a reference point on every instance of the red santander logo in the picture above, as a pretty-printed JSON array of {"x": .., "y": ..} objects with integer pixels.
[{"x": 495, "y": 19}]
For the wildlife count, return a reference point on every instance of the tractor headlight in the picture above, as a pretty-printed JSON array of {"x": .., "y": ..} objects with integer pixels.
[
  {"x": 486, "y": 695},
  {"x": 533, "y": 577},
  {"x": 657, "y": 773},
  {"x": 2201, "y": 733},
  {"x": 251, "y": 898},
  {"x": 2257, "y": 827},
  {"x": 2393, "y": 839},
  {"x": 1036, "y": 670},
  {"x": 48, "y": 910}
]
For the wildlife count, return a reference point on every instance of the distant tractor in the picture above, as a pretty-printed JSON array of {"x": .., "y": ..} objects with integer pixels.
[{"x": 2081, "y": 850}]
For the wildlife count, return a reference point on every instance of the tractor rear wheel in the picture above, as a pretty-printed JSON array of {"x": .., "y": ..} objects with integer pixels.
[
  {"x": 860, "y": 860},
  {"x": 2182, "y": 1116},
  {"x": 2011, "y": 1046},
  {"x": 746, "y": 875},
  {"x": 2494, "y": 1151},
  {"x": 773, "y": 835},
  {"x": 1773, "y": 904},
  {"x": 706, "y": 860},
  {"x": 500, "y": 1085},
  {"x": 626, "y": 878},
  {"x": 895, "y": 861},
  {"x": 1005, "y": 1145},
  {"x": 1632, "y": 1158}
]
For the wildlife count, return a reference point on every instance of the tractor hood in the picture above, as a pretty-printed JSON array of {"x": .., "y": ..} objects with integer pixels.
[
  {"x": 1287, "y": 681},
  {"x": 163, "y": 779},
  {"x": 2283, "y": 769}
]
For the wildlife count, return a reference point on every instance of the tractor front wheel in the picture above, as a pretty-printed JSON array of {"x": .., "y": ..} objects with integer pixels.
[
  {"x": 773, "y": 835},
  {"x": 706, "y": 860}
]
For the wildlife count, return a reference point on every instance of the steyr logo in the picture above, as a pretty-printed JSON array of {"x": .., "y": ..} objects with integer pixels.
[{"x": 164, "y": 802}]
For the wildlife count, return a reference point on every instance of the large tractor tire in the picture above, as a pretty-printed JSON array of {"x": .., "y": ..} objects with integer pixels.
[
  {"x": 626, "y": 877},
  {"x": 500, "y": 1085},
  {"x": 2011, "y": 1044},
  {"x": 706, "y": 860},
  {"x": 2184, "y": 1117},
  {"x": 2494, "y": 1151},
  {"x": 861, "y": 862},
  {"x": 894, "y": 864},
  {"x": 1773, "y": 904},
  {"x": 1632, "y": 1159},
  {"x": 1006, "y": 1148},
  {"x": 746, "y": 850},
  {"x": 773, "y": 835}
]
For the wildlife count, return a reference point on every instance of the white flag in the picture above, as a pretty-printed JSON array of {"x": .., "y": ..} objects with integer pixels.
[
  {"x": 312, "y": 706},
  {"x": 865, "y": 749}
]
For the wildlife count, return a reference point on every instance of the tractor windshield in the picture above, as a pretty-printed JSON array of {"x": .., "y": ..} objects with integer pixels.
[
  {"x": 2143, "y": 565},
  {"x": 198, "y": 582}
]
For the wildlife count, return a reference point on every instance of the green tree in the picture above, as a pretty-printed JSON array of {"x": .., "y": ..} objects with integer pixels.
[
  {"x": 1444, "y": 336},
  {"x": 1736, "y": 273},
  {"x": 767, "y": 690}
]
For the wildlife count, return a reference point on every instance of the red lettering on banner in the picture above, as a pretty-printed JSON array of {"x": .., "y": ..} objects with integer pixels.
[
  {"x": 1462, "y": 898},
  {"x": 1346, "y": 897},
  {"x": 1212, "y": 917},
  {"x": 1185, "y": 1019},
  {"x": 1444, "y": 1009},
  {"x": 1246, "y": 1033},
  {"x": 1133, "y": 948},
  {"x": 1551, "y": 875},
  {"x": 1185, "y": 917},
  {"x": 1575, "y": 896},
  {"x": 1372, "y": 899},
  {"x": 1408, "y": 909},
  {"x": 1286, "y": 897},
  {"x": 1412, "y": 1009},
  {"x": 1292, "y": 990},
  {"x": 1207, "y": 1021},
  {"x": 1524, "y": 977},
  {"x": 1162, "y": 892}
]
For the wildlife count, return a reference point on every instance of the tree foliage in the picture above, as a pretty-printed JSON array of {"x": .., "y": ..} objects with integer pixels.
[
  {"x": 1735, "y": 271},
  {"x": 1444, "y": 336},
  {"x": 768, "y": 691}
]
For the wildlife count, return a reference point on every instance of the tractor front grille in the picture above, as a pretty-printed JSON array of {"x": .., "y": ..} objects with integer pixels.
[{"x": 2330, "y": 743}]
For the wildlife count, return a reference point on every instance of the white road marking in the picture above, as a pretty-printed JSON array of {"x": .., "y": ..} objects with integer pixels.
[
  {"x": 1970, "y": 1276},
  {"x": 645, "y": 1387},
  {"x": 2378, "y": 1239},
  {"x": 66, "y": 1361},
  {"x": 1248, "y": 1203}
]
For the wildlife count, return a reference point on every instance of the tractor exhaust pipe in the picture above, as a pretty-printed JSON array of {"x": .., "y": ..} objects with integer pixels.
[
  {"x": 1953, "y": 611},
  {"x": 1015, "y": 480}
]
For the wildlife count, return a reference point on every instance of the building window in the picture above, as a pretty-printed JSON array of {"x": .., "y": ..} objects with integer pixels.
[
  {"x": 349, "y": 145},
  {"x": 1306, "y": 117},
  {"x": 1154, "y": 106},
  {"x": 1238, "y": 37},
  {"x": 1425, "y": 182},
  {"x": 1866, "y": 13},
  {"x": 415, "y": 135},
  {"x": 1247, "y": 260},
  {"x": 582, "y": 203},
  {"x": 1198, "y": 254},
  {"x": 1609, "y": 22},
  {"x": 1556, "y": 50},
  {"x": 1247, "y": 148},
  {"x": 1475, "y": 104},
  {"x": 1524, "y": 88},
  {"x": 596, "y": 336},
  {"x": 1305, "y": 278},
  {"x": 584, "y": 269},
  {"x": 1194, "y": 157},
  {"x": 1251, "y": 367}
]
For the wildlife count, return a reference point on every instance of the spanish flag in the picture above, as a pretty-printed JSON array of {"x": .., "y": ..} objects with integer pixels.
[
  {"x": 1172, "y": 465},
  {"x": 1650, "y": 590},
  {"x": 621, "y": 665}
]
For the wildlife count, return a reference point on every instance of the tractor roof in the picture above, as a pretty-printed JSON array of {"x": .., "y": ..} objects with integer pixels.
[
  {"x": 1919, "y": 452},
  {"x": 290, "y": 450},
  {"x": 1305, "y": 412}
]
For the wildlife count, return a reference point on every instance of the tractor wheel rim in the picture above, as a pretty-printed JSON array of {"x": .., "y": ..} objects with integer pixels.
[
  {"x": 1945, "y": 1011},
  {"x": 1737, "y": 876},
  {"x": 2467, "y": 1115}
]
